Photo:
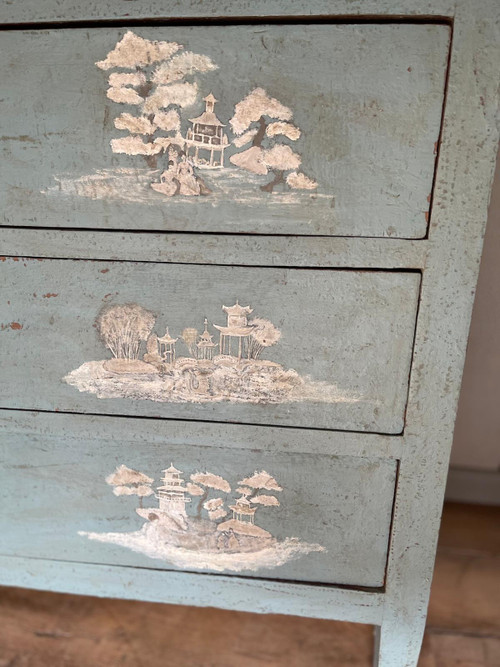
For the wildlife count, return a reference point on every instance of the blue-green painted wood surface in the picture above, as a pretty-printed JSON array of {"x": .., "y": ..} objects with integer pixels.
[
  {"x": 55, "y": 468},
  {"x": 346, "y": 338},
  {"x": 261, "y": 596},
  {"x": 449, "y": 260},
  {"x": 369, "y": 117}
]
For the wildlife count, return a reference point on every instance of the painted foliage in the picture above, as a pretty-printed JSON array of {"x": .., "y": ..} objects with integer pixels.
[
  {"x": 148, "y": 366},
  {"x": 185, "y": 153},
  {"x": 205, "y": 523}
]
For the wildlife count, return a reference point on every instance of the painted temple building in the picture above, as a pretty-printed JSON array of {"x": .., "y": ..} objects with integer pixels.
[
  {"x": 242, "y": 510},
  {"x": 205, "y": 142},
  {"x": 205, "y": 345},
  {"x": 173, "y": 497},
  {"x": 243, "y": 520},
  {"x": 237, "y": 328},
  {"x": 172, "y": 494},
  {"x": 167, "y": 347}
]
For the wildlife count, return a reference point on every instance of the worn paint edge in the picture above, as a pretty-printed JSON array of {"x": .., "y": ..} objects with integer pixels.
[
  {"x": 226, "y": 249},
  {"x": 210, "y": 10},
  {"x": 207, "y": 434},
  {"x": 259, "y": 596}
]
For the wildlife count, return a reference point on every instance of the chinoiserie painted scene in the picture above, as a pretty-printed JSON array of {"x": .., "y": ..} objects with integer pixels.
[
  {"x": 231, "y": 369},
  {"x": 191, "y": 495},
  {"x": 257, "y": 129},
  {"x": 204, "y": 523},
  {"x": 258, "y": 345},
  {"x": 156, "y": 81},
  {"x": 159, "y": 83}
]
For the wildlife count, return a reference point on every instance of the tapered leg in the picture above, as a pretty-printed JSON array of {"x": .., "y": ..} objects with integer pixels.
[{"x": 397, "y": 644}]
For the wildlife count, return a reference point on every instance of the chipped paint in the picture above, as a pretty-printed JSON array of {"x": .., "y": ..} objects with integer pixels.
[{"x": 16, "y": 326}]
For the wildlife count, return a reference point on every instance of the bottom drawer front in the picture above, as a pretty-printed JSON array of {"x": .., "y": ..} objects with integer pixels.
[{"x": 136, "y": 492}]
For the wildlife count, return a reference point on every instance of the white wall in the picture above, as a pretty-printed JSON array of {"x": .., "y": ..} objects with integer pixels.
[{"x": 477, "y": 433}]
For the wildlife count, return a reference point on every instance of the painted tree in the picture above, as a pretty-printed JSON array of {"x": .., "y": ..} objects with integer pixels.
[
  {"x": 123, "y": 327},
  {"x": 215, "y": 508},
  {"x": 189, "y": 336},
  {"x": 152, "y": 355},
  {"x": 266, "y": 124},
  {"x": 194, "y": 489},
  {"x": 157, "y": 82},
  {"x": 253, "y": 486},
  {"x": 129, "y": 482},
  {"x": 207, "y": 481},
  {"x": 264, "y": 334}
]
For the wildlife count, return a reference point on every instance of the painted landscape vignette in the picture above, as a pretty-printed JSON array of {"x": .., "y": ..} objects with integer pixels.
[
  {"x": 249, "y": 158},
  {"x": 231, "y": 369},
  {"x": 220, "y": 533}
]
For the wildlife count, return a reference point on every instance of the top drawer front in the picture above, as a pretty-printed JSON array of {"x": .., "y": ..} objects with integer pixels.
[{"x": 337, "y": 123}]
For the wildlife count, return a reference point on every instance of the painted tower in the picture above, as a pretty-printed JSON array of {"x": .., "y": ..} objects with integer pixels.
[
  {"x": 167, "y": 347},
  {"x": 172, "y": 494},
  {"x": 205, "y": 142},
  {"x": 205, "y": 345},
  {"x": 242, "y": 510}
]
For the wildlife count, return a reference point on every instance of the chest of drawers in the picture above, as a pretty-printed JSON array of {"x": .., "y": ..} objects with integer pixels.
[{"x": 239, "y": 247}]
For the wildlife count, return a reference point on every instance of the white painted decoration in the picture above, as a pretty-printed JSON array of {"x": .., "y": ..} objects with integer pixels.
[
  {"x": 204, "y": 523},
  {"x": 231, "y": 369}
]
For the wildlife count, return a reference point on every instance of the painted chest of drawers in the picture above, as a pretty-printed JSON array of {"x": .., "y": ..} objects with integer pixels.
[{"x": 239, "y": 249}]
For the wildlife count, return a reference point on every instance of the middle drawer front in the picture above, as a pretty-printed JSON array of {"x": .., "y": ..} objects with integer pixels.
[{"x": 299, "y": 347}]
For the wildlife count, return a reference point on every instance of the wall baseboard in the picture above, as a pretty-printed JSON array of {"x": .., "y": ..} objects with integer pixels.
[{"x": 480, "y": 487}]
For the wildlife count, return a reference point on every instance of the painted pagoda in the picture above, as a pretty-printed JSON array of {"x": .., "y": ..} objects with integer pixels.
[
  {"x": 242, "y": 510},
  {"x": 205, "y": 142},
  {"x": 243, "y": 520},
  {"x": 172, "y": 493},
  {"x": 167, "y": 347},
  {"x": 237, "y": 327},
  {"x": 205, "y": 345}
]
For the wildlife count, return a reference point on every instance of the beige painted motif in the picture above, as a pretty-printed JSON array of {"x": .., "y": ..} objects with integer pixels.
[
  {"x": 160, "y": 83},
  {"x": 231, "y": 369},
  {"x": 219, "y": 532}
]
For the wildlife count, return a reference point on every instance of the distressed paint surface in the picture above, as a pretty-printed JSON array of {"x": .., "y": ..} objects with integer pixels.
[
  {"x": 348, "y": 334},
  {"x": 262, "y": 596},
  {"x": 449, "y": 258},
  {"x": 207, "y": 537},
  {"x": 368, "y": 121},
  {"x": 231, "y": 370},
  {"x": 342, "y": 503},
  {"x": 50, "y": 10},
  {"x": 227, "y": 249}
]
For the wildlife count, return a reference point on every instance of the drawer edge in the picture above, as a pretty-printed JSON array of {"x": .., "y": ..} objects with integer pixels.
[
  {"x": 221, "y": 249},
  {"x": 201, "y": 590}
]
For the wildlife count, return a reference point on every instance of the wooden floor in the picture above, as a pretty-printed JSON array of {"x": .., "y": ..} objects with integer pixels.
[{"x": 52, "y": 630}]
